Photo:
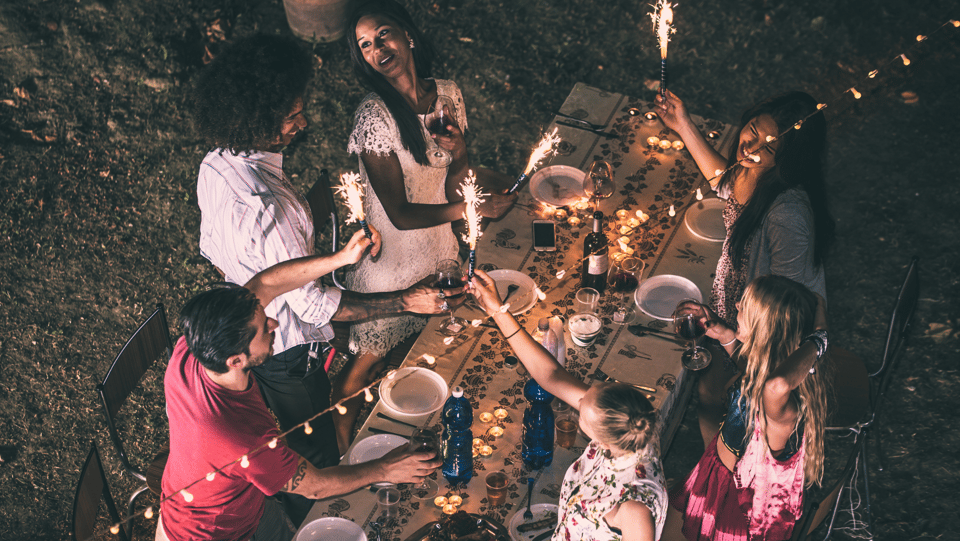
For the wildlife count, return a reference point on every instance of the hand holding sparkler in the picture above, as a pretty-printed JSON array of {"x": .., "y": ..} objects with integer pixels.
[
  {"x": 541, "y": 151},
  {"x": 663, "y": 26},
  {"x": 472, "y": 198},
  {"x": 351, "y": 191}
]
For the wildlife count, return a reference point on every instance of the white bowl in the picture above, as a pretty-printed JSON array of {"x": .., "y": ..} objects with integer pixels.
[
  {"x": 331, "y": 529},
  {"x": 413, "y": 391}
]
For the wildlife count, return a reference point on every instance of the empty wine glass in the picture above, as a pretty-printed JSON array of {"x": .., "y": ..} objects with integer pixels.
[
  {"x": 623, "y": 278},
  {"x": 598, "y": 182},
  {"x": 450, "y": 276},
  {"x": 439, "y": 118},
  {"x": 428, "y": 440},
  {"x": 688, "y": 323}
]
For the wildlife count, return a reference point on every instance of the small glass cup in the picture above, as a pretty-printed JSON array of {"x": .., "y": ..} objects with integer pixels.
[
  {"x": 497, "y": 482},
  {"x": 388, "y": 500}
]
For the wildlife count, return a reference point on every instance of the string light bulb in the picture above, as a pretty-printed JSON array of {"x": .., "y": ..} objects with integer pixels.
[
  {"x": 115, "y": 529},
  {"x": 906, "y": 61},
  {"x": 341, "y": 409},
  {"x": 244, "y": 462},
  {"x": 187, "y": 497},
  {"x": 307, "y": 429},
  {"x": 211, "y": 476},
  {"x": 367, "y": 395},
  {"x": 273, "y": 443},
  {"x": 148, "y": 514},
  {"x": 798, "y": 124},
  {"x": 956, "y": 24},
  {"x": 672, "y": 212},
  {"x": 821, "y": 106},
  {"x": 561, "y": 274},
  {"x": 873, "y": 74},
  {"x": 856, "y": 95},
  {"x": 771, "y": 138},
  {"x": 476, "y": 322},
  {"x": 717, "y": 173},
  {"x": 429, "y": 358},
  {"x": 921, "y": 37},
  {"x": 540, "y": 294},
  {"x": 699, "y": 195}
]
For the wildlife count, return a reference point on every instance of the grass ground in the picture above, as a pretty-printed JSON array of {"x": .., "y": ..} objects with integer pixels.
[{"x": 99, "y": 220}]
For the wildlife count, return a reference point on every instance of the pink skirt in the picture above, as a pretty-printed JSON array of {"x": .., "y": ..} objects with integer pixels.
[{"x": 710, "y": 501}]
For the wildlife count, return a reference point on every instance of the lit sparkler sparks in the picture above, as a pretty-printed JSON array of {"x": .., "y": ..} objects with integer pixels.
[
  {"x": 663, "y": 26},
  {"x": 351, "y": 190},
  {"x": 472, "y": 196},
  {"x": 541, "y": 151}
]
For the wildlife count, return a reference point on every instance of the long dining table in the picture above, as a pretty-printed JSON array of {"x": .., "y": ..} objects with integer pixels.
[{"x": 648, "y": 178}]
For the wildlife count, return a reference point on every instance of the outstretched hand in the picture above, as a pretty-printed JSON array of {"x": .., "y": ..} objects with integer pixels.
[{"x": 402, "y": 465}]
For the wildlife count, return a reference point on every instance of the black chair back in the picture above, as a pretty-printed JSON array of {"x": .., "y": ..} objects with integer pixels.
[
  {"x": 324, "y": 209},
  {"x": 92, "y": 490}
]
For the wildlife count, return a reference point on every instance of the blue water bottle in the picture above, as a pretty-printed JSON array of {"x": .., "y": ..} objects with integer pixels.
[
  {"x": 538, "y": 428},
  {"x": 457, "y": 445}
]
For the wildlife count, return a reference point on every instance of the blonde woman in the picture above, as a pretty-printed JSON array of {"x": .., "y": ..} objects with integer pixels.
[
  {"x": 749, "y": 482},
  {"x": 615, "y": 490}
]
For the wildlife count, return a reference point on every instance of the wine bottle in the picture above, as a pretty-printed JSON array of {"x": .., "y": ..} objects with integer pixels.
[{"x": 595, "y": 262}]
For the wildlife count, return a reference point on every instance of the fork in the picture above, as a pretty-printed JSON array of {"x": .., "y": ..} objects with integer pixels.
[
  {"x": 528, "y": 514},
  {"x": 600, "y": 375}
]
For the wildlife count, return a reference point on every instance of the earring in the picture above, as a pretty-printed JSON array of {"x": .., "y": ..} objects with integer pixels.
[{"x": 412, "y": 45}]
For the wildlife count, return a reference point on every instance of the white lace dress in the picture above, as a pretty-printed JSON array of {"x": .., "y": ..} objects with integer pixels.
[{"x": 406, "y": 256}]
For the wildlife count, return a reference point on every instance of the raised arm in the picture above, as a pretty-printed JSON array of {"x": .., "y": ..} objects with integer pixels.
[
  {"x": 398, "y": 466},
  {"x": 675, "y": 117},
  {"x": 541, "y": 364},
  {"x": 791, "y": 373}
]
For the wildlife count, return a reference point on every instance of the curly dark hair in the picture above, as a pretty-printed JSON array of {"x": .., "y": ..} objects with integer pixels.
[
  {"x": 240, "y": 99},
  {"x": 218, "y": 324},
  {"x": 423, "y": 56}
]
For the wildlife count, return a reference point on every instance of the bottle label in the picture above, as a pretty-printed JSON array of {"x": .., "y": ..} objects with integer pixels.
[{"x": 598, "y": 264}]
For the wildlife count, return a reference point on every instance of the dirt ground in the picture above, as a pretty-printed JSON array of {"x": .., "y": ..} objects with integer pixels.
[{"x": 98, "y": 219}]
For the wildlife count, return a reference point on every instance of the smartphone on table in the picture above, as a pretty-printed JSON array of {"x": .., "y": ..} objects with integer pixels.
[{"x": 544, "y": 235}]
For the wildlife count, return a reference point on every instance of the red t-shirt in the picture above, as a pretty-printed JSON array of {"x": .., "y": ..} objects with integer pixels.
[{"x": 209, "y": 427}]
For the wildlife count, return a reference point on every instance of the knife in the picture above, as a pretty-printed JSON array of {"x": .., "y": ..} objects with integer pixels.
[
  {"x": 601, "y": 133},
  {"x": 398, "y": 421},
  {"x": 376, "y": 430},
  {"x": 545, "y": 535},
  {"x": 580, "y": 120}
]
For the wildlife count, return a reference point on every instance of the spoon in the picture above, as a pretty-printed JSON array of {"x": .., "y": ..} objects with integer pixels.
[
  {"x": 510, "y": 289},
  {"x": 528, "y": 514}
]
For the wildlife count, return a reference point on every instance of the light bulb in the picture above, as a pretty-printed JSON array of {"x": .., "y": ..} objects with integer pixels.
[
  {"x": 921, "y": 37},
  {"x": 956, "y": 24},
  {"x": 429, "y": 358},
  {"x": 906, "y": 61},
  {"x": 341, "y": 409},
  {"x": 561, "y": 274},
  {"x": 856, "y": 95},
  {"x": 367, "y": 395},
  {"x": 821, "y": 106},
  {"x": 798, "y": 124},
  {"x": 448, "y": 340},
  {"x": 307, "y": 429},
  {"x": 873, "y": 74},
  {"x": 643, "y": 216},
  {"x": 717, "y": 173},
  {"x": 148, "y": 514},
  {"x": 273, "y": 443},
  {"x": 115, "y": 529},
  {"x": 672, "y": 212},
  {"x": 211, "y": 476},
  {"x": 771, "y": 138},
  {"x": 244, "y": 462},
  {"x": 476, "y": 322},
  {"x": 541, "y": 295},
  {"x": 699, "y": 195},
  {"x": 187, "y": 497}
]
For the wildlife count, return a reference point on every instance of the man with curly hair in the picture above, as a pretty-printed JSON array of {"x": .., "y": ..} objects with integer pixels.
[{"x": 248, "y": 105}]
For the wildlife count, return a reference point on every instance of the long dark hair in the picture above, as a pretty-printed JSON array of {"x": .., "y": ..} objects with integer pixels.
[
  {"x": 411, "y": 134},
  {"x": 799, "y": 163}
]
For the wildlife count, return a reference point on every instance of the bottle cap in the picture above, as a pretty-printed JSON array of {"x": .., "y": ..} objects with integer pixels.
[
  {"x": 510, "y": 361},
  {"x": 457, "y": 392},
  {"x": 543, "y": 324},
  {"x": 598, "y": 215}
]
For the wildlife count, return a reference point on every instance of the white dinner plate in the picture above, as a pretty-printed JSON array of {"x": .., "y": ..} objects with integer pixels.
[
  {"x": 557, "y": 185},
  {"x": 659, "y": 295},
  {"x": 413, "y": 391},
  {"x": 522, "y": 300},
  {"x": 374, "y": 447},
  {"x": 540, "y": 511},
  {"x": 331, "y": 529},
  {"x": 705, "y": 219}
]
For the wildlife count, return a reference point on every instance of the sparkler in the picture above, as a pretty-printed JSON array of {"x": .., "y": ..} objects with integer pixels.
[
  {"x": 351, "y": 191},
  {"x": 542, "y": 150},
  {"x": 663, "y": 26},
  {"x": 472, "y": 196}
]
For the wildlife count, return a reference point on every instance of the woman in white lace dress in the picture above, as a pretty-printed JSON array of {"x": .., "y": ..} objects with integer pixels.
[{"x": 410, "y": 176}]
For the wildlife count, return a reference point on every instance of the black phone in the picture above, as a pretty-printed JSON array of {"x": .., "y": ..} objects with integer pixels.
[{"x": 544, "y": 235}]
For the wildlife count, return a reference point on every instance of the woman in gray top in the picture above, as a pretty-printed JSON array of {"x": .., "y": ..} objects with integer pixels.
[{"x": 776, "y": 213}]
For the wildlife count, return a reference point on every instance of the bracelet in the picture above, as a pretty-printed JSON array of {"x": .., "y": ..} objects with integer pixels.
[
  {"x": 511, "y": 335},
  {"x": 819, "y": 338},
  {"x": 730, "y": 342}
]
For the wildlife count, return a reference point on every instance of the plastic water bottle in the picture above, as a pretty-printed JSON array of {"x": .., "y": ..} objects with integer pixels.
[
  {"x": 538, "y": 426},
  {"x": 457, "y": 445}
]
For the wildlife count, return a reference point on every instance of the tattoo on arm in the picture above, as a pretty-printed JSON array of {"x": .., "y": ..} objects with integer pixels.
[
  {"x": 356, "y": 306},
  {"x": 299, "y": 476}
]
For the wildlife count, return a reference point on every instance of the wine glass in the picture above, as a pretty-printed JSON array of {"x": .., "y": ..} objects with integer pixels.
[
  {"x": 624, "y": 277},
  {"x": 428, "y": 440},
  {"x": 688, "y": 323},
  {"x": 439, "y": 118},
  {"x": 450, "y": 276},
  {"x": 598, "y": 182}
]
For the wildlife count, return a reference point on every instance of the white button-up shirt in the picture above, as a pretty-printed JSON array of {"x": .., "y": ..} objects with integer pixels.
[{"x": 252, "y": 218}]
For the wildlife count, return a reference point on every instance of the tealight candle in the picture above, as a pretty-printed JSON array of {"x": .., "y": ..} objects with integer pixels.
[
  {"x": 633, "y": 222},
  {"x": 476, "y": 452},
  {"x": 449, "y": 509},
  {"x": 560, "y": 215},
  {"x": 501, "y": 413},
  {"x": 643, "y": 216},
  {"x": 625, "y": 230},
  {"x": 678, "y": 145},
  {"x": 495, "y": 431},
  {"x": 478, "y": 442},
  {"x": 621, "y": 214},
  {"x": 650, "y": 115},
  {"x": 440, "y": 501},
  {"x": 665, "y": 144},
  {"x": 486, "y": 417},
  {"x": 486, "y": 450},
  {"x": 653, "y": 141},
  {"x": 455, "y": 500},
  {"x": 573, "y": 220}
]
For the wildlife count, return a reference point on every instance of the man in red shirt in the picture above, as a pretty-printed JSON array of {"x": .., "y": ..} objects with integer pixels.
[{"x": 217, "y": 415}]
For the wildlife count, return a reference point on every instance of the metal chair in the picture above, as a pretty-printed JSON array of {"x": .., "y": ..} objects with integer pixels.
[
  {"x": 150, "y": 342},
  {"x": 323, "y": 208},
  {"x": 92, "y": 489}
]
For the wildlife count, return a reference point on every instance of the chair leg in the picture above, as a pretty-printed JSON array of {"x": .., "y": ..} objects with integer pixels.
[
  {"x": 875, "y": 429},
  {"x": 130, "y": 504},
  {"x": 833, "y": 514},
  {"x": 866, "y": 487}
]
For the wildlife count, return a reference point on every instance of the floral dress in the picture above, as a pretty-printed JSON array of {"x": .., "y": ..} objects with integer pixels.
[
  {"x": 597, "y": 482},
  {"x": 730, "y": 282},
  {"x": 406, "y": 256}
]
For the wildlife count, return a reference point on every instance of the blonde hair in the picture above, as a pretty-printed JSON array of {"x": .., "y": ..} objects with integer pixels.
[
  {"x": 776, "y": 313},
  {"x": 627, "y": 418}
]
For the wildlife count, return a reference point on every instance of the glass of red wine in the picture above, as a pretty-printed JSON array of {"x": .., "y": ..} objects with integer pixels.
[
  {"x": 439, "y": 119},
  {"x": 624, "y": 277},
  {"x": 425, "y": 439},
  {"x": 689, "y": 322},
  {"x": 450, "y": 277}
]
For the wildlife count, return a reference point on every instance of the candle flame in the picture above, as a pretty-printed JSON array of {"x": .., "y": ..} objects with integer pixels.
[
  {"x": 663, "y": 24},
  {"x": 351, "y": 191},
  {"x": 472, "y": 196},
  {"x": 542, "y": 150}
]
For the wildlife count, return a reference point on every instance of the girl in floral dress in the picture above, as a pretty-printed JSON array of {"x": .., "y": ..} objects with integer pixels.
[{"x": 615, "y": 490}]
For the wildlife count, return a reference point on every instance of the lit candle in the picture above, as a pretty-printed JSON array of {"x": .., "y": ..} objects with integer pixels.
[
  {"x": 625, "y": 230},
  {"x": 653, "y": 141},
  {"x": 573, "y": 220},
  {"x": 455, "y": 500},
  {"x": 560, "y": 215},
  {"x": 633, "y": 222},
  {"x": 478, "y": 442},
  {"x": 650, "y": 115},
  {"x": 643, "y": 216},
  {"x": 621, "y": 214},
  {"x": 501, "y": 413},
  {"x": 486, "y": 450},
  {"x": 665, "y": 144},
  {"x": 486, "y": 417},
  {"x": 495, "y": 431},
  {"x": 678, "y": 145},
  {"x": 449, "y": 509},
  {"x": 440, "y": 501}
]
